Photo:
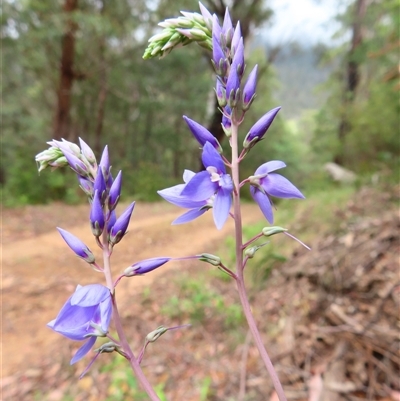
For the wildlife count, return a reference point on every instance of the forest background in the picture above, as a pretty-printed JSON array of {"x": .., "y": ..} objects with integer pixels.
[{"x": 74, "y": 68}]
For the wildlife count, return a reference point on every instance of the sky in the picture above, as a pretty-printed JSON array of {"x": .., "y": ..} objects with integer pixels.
[{"x": 306, "y": 21}]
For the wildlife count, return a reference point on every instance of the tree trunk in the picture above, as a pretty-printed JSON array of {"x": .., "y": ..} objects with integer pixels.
[
  {"x": 62, "y": 119},
  {"x": 352, "y": 79}
]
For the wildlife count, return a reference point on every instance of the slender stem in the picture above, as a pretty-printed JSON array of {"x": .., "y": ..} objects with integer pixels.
[
  {"x": 118, "y": 325},
  {"x": 132, "y": 359},
  {"x": 240, "y": 266}
]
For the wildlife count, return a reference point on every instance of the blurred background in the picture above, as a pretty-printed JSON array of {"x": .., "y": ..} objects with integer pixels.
[{"x": 74, "y": 68}]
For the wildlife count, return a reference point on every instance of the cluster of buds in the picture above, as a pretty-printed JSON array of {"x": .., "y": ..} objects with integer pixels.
[{"x": 180, "y": 31}]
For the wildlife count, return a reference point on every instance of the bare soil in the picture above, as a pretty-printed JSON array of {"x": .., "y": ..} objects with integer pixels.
[{"x": 330, "y": 317}]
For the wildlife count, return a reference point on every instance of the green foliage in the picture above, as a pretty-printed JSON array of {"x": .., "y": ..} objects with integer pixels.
[
  {"x": 370, "y": 141},
  {"x": 124, "y": 385},
  {"x": 198, "y": 301}
]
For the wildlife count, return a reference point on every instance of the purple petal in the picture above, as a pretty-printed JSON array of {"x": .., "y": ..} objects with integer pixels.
[
  {"x": 263, "y": 202},
  {"x": 269, "y": 167},
  {"x": 90, "y": 295},
  {"x": 188, "y": 175},
  {"x": 201, "y": 133},
  {"x": 238, "y": 59},
  {"x": 105, "y": 313},
  {"x": 82, "y": 351},
  {"x": 173, "y": 195},
  {"x": 221, "y": 207},
  {"x": 280, "y": 187},
  {"x": 189, "y": 216},
  {"x": 200, "y": 187},
  {"x": 211, "y": 158}
]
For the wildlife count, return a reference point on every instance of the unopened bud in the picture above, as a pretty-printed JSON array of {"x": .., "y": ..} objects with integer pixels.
[
  {"x": 269, "y": 231},
  {"x": 156, "y": 334},
  {"x": 209, "y": 258}
]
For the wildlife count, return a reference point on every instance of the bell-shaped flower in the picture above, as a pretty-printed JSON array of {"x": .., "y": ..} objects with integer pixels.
[
  {"x": 258, "y": 130},
  {"x": 84, "y": 317},
  {"x": 202, "y": 134},
  {"x": 145, "y": 266},
  {"x": 115, "y": 192},
  {"x": 118, "y": 230},
  {"x": 77, "y": 246},
  {"x": 212, "y": 182},
  {"x": 265, "y": 184},
  {"x": 174, "y": 196},
  {"x": 249, "y": 90},
  {"x": 96, "y": 215}
]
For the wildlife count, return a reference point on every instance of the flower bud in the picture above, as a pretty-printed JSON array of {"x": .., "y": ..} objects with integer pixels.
[
  {"x": 145, "y": 266},
  {"x": 77, "y": 246},
  {"x": 249, "y": 90},
  {"x": 96, "y": 215},
  {"x": 209, "y": 258},
  {"x": 119, "y": 228},
  {"x": 87, "y": 152},
  {"x": 156, "y": 334},
  {"x": 269, "y": 231},
  {"x": 202, "y": 134},
  {"x": 115, "y": 192},
  {"x": 258, "y": 130}
]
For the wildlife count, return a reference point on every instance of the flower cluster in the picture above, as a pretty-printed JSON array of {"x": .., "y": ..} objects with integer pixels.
[{"x": 213, "y": 187}]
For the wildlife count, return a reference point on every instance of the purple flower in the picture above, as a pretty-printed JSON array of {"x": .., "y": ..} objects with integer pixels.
[
  {"x": 111, "y": 219},
  {"x": 249, "y": 89},
  {"x": 119, "y": 228},
  {"x": 258, "y": 130},
  {"x": 212, "y": 182},
  {"x": 264, "y": 184},
  {"x": 145, "y": 266},
  {"x": 96, "y": 215},
  {"x": 202, "y": 134},
  {"x": 173, "y": 195},
  {"x": 77, "y": 246},
  {"x": 86, "y": 185},
  {"x": 85, "y": 316}
]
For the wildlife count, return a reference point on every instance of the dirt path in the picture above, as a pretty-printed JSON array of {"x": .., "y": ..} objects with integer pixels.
[{"x": 39, "y": 271}]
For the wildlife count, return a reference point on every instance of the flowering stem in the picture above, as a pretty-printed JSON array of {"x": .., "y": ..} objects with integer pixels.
[
  {"x": 118, "y": 324},
  {"x": 240, "y": 266}
]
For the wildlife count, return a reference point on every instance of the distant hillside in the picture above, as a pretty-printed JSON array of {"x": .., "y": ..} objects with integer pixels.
[{"x": 298, "y": 73}]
